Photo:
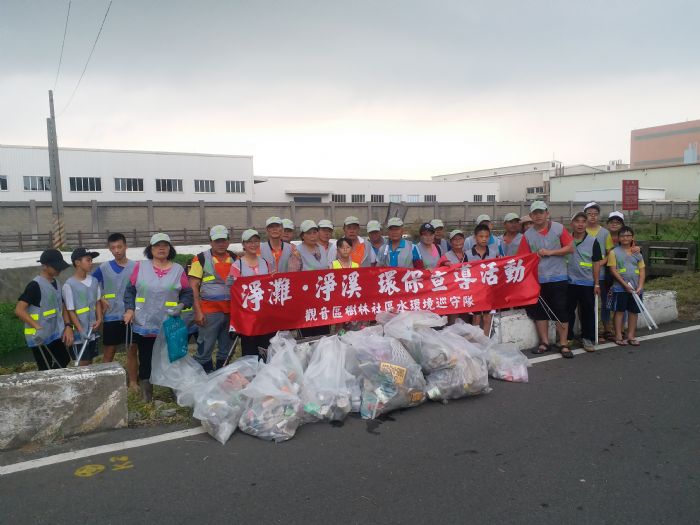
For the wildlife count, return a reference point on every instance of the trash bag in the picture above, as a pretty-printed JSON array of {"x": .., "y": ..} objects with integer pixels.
[
  {"x": 473, "y": 334},
  {"x": 219, "y": 403},
  {"x": 468, "y": 376},
  {"x": 325, "y": 395},
  {"x": 273, "y": 410},
  {"x": 184, "y": 376},
  {"x": 391, "y": 378},
  {"x": 176, "y": 335},
  {"x": 508, "y": 363},
  {"x": 280, "y": 341}
]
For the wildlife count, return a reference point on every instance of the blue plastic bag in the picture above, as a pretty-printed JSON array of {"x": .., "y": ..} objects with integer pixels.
[{"x": 176, "y": 336}]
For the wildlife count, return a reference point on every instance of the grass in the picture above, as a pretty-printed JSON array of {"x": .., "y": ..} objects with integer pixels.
[
  {"x": 11, "y": 329},
  {"x": 687, "y": 287},
  {"x": 673, "y": 229}
]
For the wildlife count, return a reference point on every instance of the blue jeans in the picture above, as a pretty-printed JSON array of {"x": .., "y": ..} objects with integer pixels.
[{"x": 215, "y": 330}]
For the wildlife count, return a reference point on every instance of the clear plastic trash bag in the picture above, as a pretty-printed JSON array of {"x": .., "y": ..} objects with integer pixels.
[
  {"x": 219, "y": 403},
  {"x": 184, "y": 376},
  {"x": 507, "y": 363},
  {"x": 473, "y": 334}
]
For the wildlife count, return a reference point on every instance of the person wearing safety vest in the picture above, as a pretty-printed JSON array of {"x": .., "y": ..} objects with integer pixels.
[
  {"x": 398, "y": 252},
  {"x": 113, "y": 277},
  {"x": 344, "y": 248},
  {"x": 47, "y": 328},
  {"x": 374, "y": 236},
  {"x": 510, "y": 240},
  {"x": 248, "y": 265},
  {"x": 325, "y": 234},
  {"x": 481, "y": 251},
  {"x": 288, "y": 230},
  {"x": 594, "y": 229},
  {"x": 212, "y": 299},
  {"x": 493, "y": 240},
  {"x": 157, "y": 287},
  {"x": 456, "y": 254},
  {"x": 281, "y": 256},
  {"x": 628, "y": 270},
  {"x": 430, "y": 252},
  {"x": 81, "y": 295},
  {"x": 584, "y": 265},
  {"x": 552, "y": 243},
  {"x": 313, "y": 257},
  {"x": 440, "y": 240},
  {"x": 362, "y": 253}
]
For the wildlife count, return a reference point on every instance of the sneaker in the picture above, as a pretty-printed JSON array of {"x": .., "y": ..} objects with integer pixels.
[{"x": 588, "y": 346}]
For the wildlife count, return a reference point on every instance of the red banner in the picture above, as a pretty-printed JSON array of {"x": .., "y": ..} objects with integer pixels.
[
  {"x": 630, "y": 194},
  {"x": 285, "y": 301}
]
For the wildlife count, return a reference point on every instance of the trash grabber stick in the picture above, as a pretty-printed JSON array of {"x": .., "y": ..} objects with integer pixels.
[
  {"x": 596, "y": 300},
  {"x": 230, "y": 351},
  {"x": 491, "y": 326},
  {"x": 43, "y": 356},
  {"x": 550, "y": 313},
  {"x": 53, "y": 357},
  {"x": 82, "y": 348}
]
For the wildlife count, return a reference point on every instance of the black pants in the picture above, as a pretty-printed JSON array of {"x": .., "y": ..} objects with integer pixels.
[
  {"x": 314, "y": 331},
  {"x": 145, "y": 347},
  {"x": 59, "y": 351},
  {"x": 582, "y": 297},
  {"x": 250, "y": 343}
]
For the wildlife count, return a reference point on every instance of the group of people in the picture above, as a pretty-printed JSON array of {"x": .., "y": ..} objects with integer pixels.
[{"x": 127, "y": 300}]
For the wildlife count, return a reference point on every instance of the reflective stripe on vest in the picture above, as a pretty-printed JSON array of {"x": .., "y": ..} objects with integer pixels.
[
  {"x": 113, "y": 287},
  {"x": 84, "y": 300},
  {"x": 83, "y": 310},
  {"x": 627, "y": 265},
  {"x": 580, "y": 262},
  {"x": 213, "y": 287},
  {"x": 109, "y": 296},
  {"x": 51, "y": 303}
]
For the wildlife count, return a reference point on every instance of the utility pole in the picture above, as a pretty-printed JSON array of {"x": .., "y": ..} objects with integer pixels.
[{"x": 58, "y": 231}]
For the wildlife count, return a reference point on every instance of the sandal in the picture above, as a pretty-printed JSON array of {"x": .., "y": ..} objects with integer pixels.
[
  {"x": 621, "y": 342},
  {"x": 609, "y": 336},
  {"x": 566, "y": 352},
  {"x": 541, "y": 349},
  {"x": 633, "y": 342}
]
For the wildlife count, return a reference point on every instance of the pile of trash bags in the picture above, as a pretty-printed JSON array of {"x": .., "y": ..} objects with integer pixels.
[{"x": 398, "y": 363}]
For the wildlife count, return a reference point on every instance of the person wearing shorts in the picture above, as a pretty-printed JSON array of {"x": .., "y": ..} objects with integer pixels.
[{"x": 552, "y": 243}]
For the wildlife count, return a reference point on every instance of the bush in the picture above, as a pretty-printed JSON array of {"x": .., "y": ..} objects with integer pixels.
[
  {"x": 183, "y": 259},
  {"x": 11, "y": 329}
]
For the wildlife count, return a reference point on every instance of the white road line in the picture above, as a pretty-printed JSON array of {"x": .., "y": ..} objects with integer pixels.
[
  {"x": 134, "y": 443},
  {"x": 94, "y": 451},
  {"x": 578, "y": 351}
]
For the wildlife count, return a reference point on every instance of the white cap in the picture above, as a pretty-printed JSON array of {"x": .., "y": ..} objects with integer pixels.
[
  {"x": 159, "y": 237},
  {"x": 482, "y": 218},
  {"x": 437, "y": 223},
  {"x": 249, "y": 234},
  {"x": 454, "y": 233},
  {"x": 538, "y": 205},
  {"x": 511, "y": 217},
  {"x": 394, "y": 222},
  {"x": 308, "y": 225},
  {"x": 351, "y": 220},
  {"x": 287, "y": 224},
  {"x": 325, "y": 223},
  {"x": 591, "y": 205},
  {"x": 616, "y": 215},
  {"x": 373, "y": 226},
  {"x": 272, "y": 220},
  {"x": 218, "y": 232}
]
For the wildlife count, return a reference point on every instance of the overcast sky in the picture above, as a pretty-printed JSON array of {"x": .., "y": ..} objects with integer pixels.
[{"x": 353, "y": 89}]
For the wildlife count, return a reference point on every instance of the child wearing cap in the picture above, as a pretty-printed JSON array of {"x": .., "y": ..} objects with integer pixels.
[
  {"x": 212, "y": 299},
  {"x": 429, "y": 250},
  {"x": 510, "y": 240},
  {"x": 480, "y": 251},
  {"x": 81, "y": 294},
  {"x": 493, "y": 240},
  {"x": 552, "y": 243},
  {"x": 47, "y": 328},
  {"x": 398, "y": 252}
]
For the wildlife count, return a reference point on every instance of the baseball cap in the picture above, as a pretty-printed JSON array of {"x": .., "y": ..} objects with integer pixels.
[
  {"x": 454, "y": 233},
  {"x": 81, "y": 252},
  {"x": 591, "y": 205},
  {"x": 482, "y": 218},
  {"x": 426, "y": 226},
  {"x": 577, "y": 215},
  {"x": 373, "y": 226},
  {"x": 525, "y": 218},
  {"x": 437, "y": 223},
  {"x": 287, "y": 224},
  {"x": 325, "y": 223},
  {"x": 538, "y": 205},
  {"x": 511, "y": 217},
  {"x": 308, "y": 225},
  {"x": 54, "y": 259},
  {"x": 616, "y": 215},
  {"x": 218, "y": 232},
  {"x": 394, "y": 222},
  {"x": 272, "y": 220},
  {"x": 351, "y": 220},
  {"x": 158, "y": 237},
  {"x": 250, "y": 233}
]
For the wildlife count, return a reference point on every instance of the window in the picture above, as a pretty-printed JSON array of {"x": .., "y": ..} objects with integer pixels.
[
  {"x": 477, "y": 198},
  {"x": 3, "y": 182},
  {"x": 490, "y": 198},
  {"x": 377, "y": 198},
  {"x": 169, "y": 185},
  {"x": 235, "y": 186},
  {"x": 535, "y": 189},
  {"x": 85, "y": 183},
  {"x": 37, "y": 183},
  {"x": 338, "y": 198},
  {"x": 357, "y": 198},
  {"x": 204, "y": 186},
  {"x": 412, "y": 198},
  {"x": 307, "y": 198},
  {"x": 394, "y": 198},
  {"x": 429, "y": 198},
  {"x": 125, "y": 184}
]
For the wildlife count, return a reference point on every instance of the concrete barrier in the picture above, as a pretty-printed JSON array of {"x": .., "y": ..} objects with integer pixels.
[
  {"x": 39, "y": 407},
  {"x": 517, "y": 328}
]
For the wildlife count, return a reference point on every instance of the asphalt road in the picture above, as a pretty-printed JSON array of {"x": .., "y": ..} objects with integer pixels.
[{"x": 612, "y": 437}]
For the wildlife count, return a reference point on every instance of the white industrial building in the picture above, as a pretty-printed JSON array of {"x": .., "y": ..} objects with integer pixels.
[
  {"x": 308, "y": 189},
  {"x": 125, "y": 176}
]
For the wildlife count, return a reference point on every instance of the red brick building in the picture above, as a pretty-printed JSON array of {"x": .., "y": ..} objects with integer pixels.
[{"x": 666, "y": 145}]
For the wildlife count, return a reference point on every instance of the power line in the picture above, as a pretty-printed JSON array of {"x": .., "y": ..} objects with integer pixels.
[
  {"x": 88, "y": 59},
  {"x": 60, "y": 58}
]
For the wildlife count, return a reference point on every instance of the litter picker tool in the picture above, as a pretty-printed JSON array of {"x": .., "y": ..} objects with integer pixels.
[
  {"x": 648, "y": 319},
  {"x": 43, "y": 350},
  {"x": 596, "y": 300},
  {"x": 128, "y": 337},
  {"x": 550, "y": 313},
  {"x": 230, "y": 351},
  {"x": 82, "y": 348}
]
